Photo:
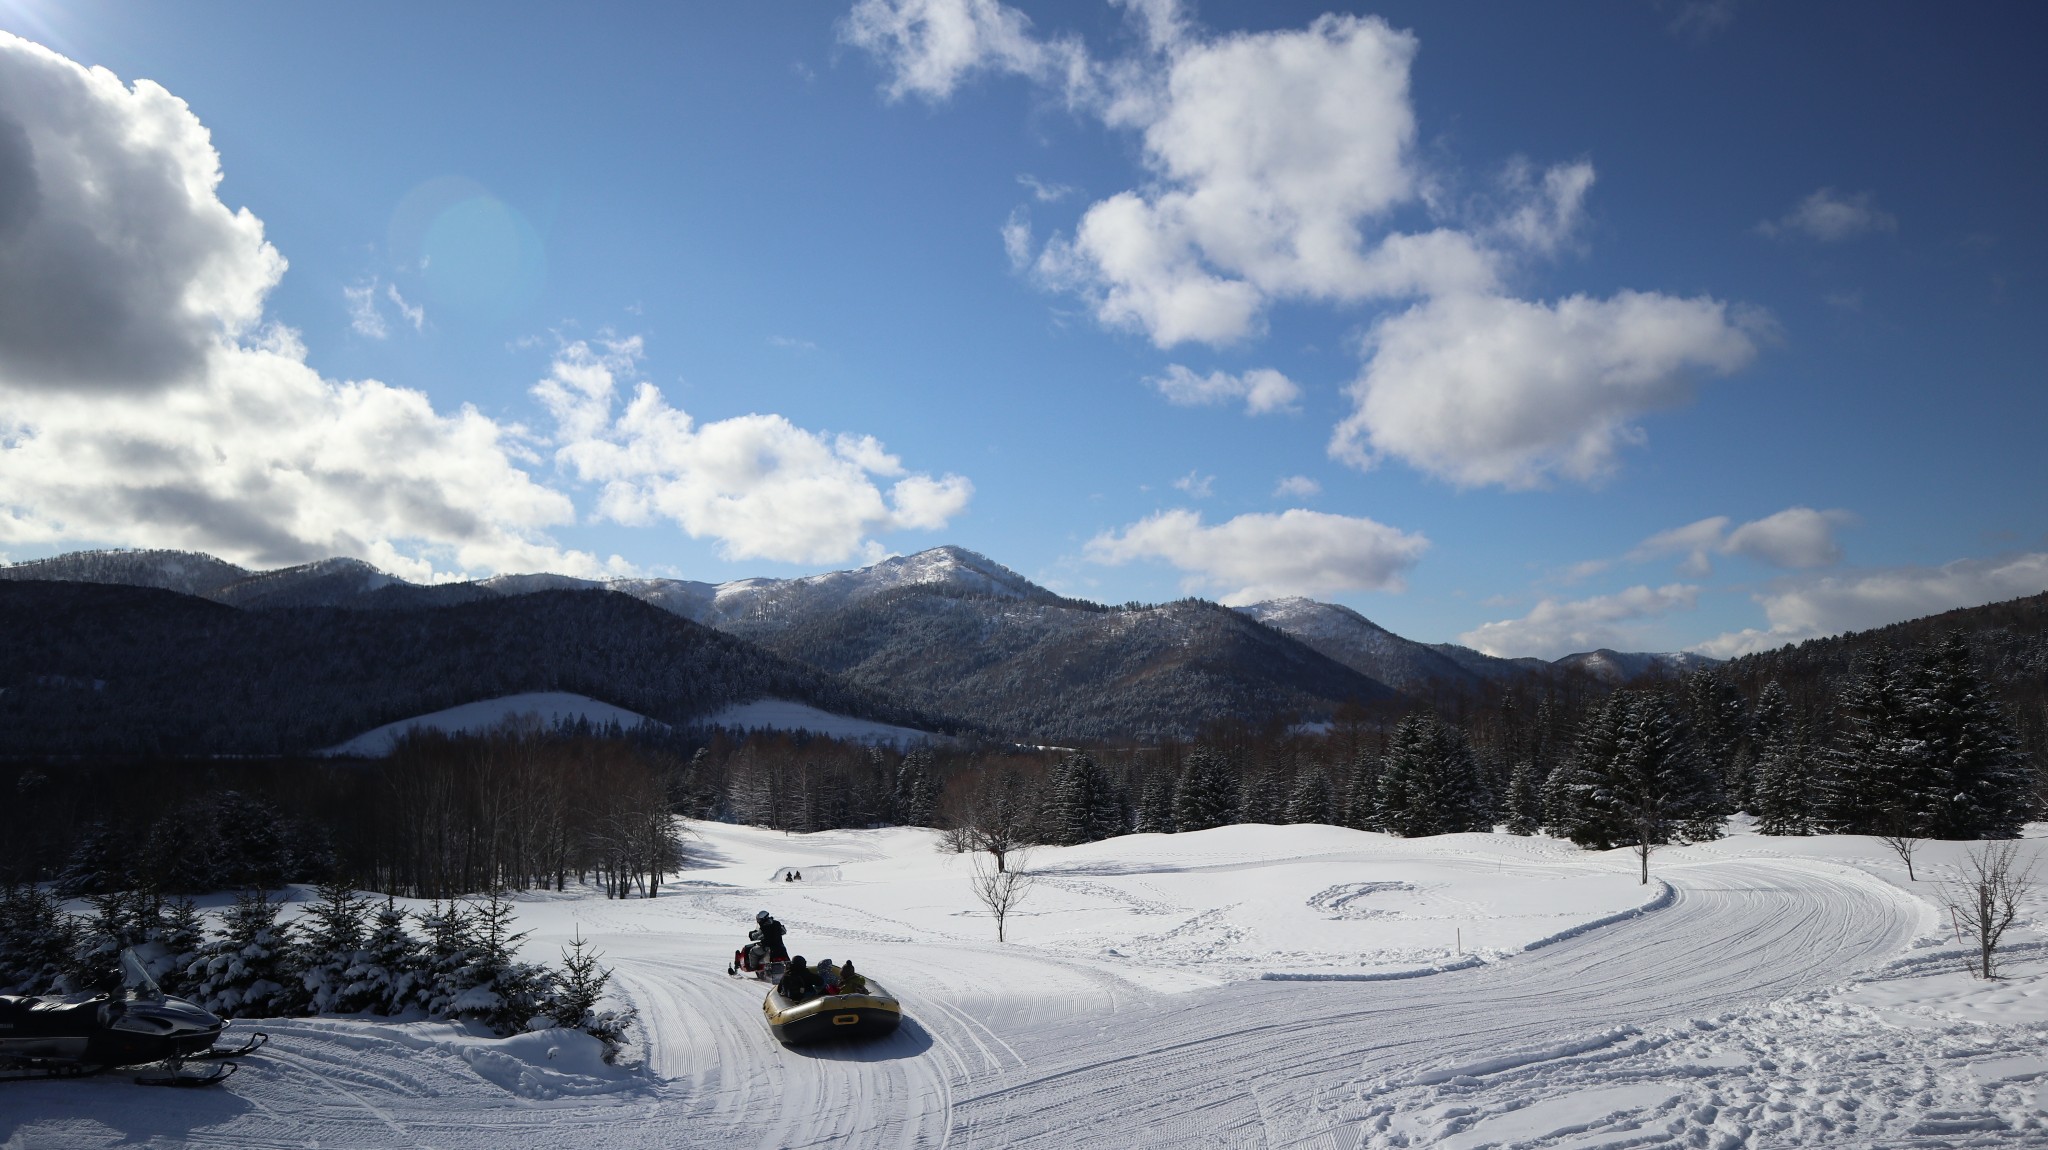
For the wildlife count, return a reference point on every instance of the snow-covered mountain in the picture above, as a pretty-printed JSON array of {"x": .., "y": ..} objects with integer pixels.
[
  {"x": 1365, "y": 646},
  {"x": 1618, "y": 667}
]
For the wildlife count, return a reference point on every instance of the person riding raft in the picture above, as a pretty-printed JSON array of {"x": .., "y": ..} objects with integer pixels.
[{"x": 799, "y": 983}]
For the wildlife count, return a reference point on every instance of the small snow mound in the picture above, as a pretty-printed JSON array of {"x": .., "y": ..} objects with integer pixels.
[
  {"x": 547, "y": 1064},
  {"x": 821, "y": 872}
]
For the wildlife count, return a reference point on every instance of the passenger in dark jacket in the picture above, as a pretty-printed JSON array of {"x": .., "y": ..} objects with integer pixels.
[
  {"x": 799, "y": 982},
  {"x": 771, "y": 937}
]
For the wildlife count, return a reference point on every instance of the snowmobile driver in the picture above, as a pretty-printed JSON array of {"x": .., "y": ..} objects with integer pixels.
[{"x": 771, "y": 933}]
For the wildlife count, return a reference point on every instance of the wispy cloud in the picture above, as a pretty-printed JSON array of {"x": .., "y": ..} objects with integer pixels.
[
  {"x": 1831, "y": 217},
  {"x": 1258, "y": 556}
]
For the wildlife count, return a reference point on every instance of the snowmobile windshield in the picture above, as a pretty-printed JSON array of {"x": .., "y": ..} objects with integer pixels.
[{"x": 135, "y": 977}]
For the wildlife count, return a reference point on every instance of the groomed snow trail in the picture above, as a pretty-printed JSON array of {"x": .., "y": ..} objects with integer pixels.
[
  {"x": 1299, "y": 1064},
  {"x": 1005, "y": 1045}
]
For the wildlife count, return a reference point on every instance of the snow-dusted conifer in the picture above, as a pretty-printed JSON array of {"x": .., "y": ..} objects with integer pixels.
[
  {"x": 1981, "y": 776},
  {"x": 1767, "y": 720},
  {"x": 1259, "y": 800},
  {"x": 393, "y": 961},
  {"x": 1715, "y": 713},
  {"x": 1634, "y": 780},
  {"x": 1085, "y": 805},
  {"x": 578, "y": 991},
  {"x": 176, "y": 943},
  {"x": 1790, "y": 799},
  {"x": 38, "y": 941},
  {"x": 1310, "y": 802},
  {"x": 1524, "y": 806},
  {"x": 916, "y": 793},
  {"x": 331, "y": 958},
  {"x": 1431, "y": 783},
  {"x": 493, "y": 987},
  {"x": 98, "y": 863},
  {"x": 1206, "y": 795},
  {"x": 1362, "y": 792},
  {"x": 245, "y": 971},
  {"x": 1155, "y": 805}
]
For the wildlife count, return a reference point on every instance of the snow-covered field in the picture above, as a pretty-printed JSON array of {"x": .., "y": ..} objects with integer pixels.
[
  {"x": 787, "y": 715},
  {"x": 1247, "y": 986}
]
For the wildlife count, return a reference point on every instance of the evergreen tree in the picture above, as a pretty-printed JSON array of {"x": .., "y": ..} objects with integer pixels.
[
  {"x": 38, "y": 941},
  {"x": 1634, "y": 780},
  {"x": 1714, "y": 711},
  {"x": 1311, "y": 801},
  {"x": 577, "y": 992},
  {"x": 1155, "y": 807},
  {"x": 331, "y": 960},
  {"x": 254, "y": 843},
  {"x": 493, "y": 987},
  {"x": 175, "y": 945},
  {"x": 1431, "y": 783},
  {"x": 1789, "y": 796},
  {"x": 1974, "y": 758},
  {"x": 1767, "y": 722},
  {"x": 393, "y": 961},
  {"x": 1085, "y": 805},
  {"x": 245, "y": 970},
  {"x": 1206, "y": 795},
  {"x": 916, "y": 793},
  {"x": 119, "y": 920},
  {"x": 1259, "y": 800},
  {"x": 1576, "y": 804},
  {"x": 1882, "y": 784},
  {"x": 98, "y": 863},
  {"x": 447, "y": 956},
  {"x": 1525, "y": 799},
  {"x": 1362, "y": 792}
]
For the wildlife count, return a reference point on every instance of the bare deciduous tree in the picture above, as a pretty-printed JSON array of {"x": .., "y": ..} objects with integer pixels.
[
  {"x": 1985, "y": 897},
  {"x": 1903, "y": 843},
  {"x": 990, "y": 815},
  {"x": 1000, "y": 888}
]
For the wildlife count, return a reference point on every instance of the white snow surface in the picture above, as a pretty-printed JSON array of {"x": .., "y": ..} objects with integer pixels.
[
  {"x": 1764, "y": 992},
  {"x": 546, "y": 707},
  {"x": 788, "y": 715}
]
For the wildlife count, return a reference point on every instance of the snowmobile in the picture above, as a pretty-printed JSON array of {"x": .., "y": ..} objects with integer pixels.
[
  {"x": 753, "y": 959},
  {"x": 52, "y": 1037},
  {"x": 869, "y": 1015}
]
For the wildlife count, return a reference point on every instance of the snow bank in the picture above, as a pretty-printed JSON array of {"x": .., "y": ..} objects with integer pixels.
[
  {"x": 546, "y": 707},
  {"x": 788, "y": 715}
]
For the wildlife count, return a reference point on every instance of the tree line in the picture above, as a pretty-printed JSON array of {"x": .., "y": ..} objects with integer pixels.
[{"x": 342, "y": 954}]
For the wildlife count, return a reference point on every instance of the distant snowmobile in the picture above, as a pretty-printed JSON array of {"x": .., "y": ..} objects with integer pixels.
[{"x": 50, "y": 1037}]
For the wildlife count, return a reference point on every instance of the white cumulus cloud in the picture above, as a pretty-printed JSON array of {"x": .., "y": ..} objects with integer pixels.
[
  {"x": 1297, "y": 487},
  {"x": 1557, "y": 627},
  {"x": 1797, "y": 538},
  {"x": 143, "y": 403},
  {"x": 762, "y": 486},
  {"x": 1264, "y": 556},
  {"x": 1491, "y": 390},
  {"x": 1277, "y": 162},
  {"x": 1263, "y": 390},
  {"x": 1830, "y": 217},
  {"x": 1814, "y": 606}
]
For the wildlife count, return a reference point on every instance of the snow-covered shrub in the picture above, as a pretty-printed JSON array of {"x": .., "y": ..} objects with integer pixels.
[
  {"x": 38, "y": 941},
  {"x": 331, "y": 961},
  {"x": 246, "y": 971},
  {"x": 577, "y": 992}
]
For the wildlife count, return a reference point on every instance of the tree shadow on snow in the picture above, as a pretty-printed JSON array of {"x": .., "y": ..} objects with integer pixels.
[
  {"x": 909, "y": 1041},
  {"x": 141, "y": 1114}
]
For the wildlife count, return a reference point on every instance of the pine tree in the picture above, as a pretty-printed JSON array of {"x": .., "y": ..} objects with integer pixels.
[
  {"x": 1155, "y": 807},
  {"x": 119, "y": 920},
  {"x": 578, "y": 990},
  {"x": 179, "y": 938},
  {"x": 1206, "y": 796},
  {"x": 1525, "y": 799},
  {"x": 1971, "y": 749},
  {"x": 492, "y": 986},
  {"x": 245, "y": 970},
  {"x": 1766, "y": 722},
  {"x": 330, "y": 951},
  {"x": 1085, "y": 805},
  {"x": 393, "y": 961},
  {"x": 1714, "y": 713},
  {"x": 1882, "y": 784},
  {"x": 98, "y": 863},
  {"x": 1310, "y": 802},
  {"x": 1789, "y": 797},
  {"x": 447, "y": 956},
  {"x": 1431, "y": 783},
  {"x": 916, "y": 794},
  {"x": 38, "y": 941},
  {"x": 1634, "y": 780},
  {"x": 1259, "y": 800},
  {"x": 1362, "y": 792}
]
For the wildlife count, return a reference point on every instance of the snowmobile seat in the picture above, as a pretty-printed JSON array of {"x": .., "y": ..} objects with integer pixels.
[{"x": 28, "y": 1017}]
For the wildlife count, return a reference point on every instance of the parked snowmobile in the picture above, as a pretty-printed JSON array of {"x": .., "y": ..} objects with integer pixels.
[{"x": 50, "y": 1037}]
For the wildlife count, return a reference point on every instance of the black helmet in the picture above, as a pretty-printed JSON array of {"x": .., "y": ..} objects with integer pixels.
[
  {"x": 760, "y": 916},
  {"x": 797, "y": 961}
]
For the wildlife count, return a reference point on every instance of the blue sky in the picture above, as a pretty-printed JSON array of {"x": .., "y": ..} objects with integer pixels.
[{"x": 1539, "y": 328}]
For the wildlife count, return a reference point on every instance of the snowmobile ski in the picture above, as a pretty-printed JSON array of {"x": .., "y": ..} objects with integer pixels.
[
  {"x": 212, "y": 1075},
  {"x": 256, "y": 1042}
]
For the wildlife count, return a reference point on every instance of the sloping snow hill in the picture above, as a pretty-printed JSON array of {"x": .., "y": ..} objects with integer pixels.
[
  {"x": 545, "y": 708},
  {"x": 789, "y": 715}
]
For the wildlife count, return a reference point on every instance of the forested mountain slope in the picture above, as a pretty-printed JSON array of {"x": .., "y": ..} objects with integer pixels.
[
  {"x": 1053, "y": 669},
  {"x": 97, "y": 669}
]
